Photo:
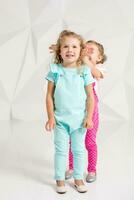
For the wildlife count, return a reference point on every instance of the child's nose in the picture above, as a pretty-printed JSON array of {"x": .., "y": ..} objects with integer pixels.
[{"x": 70, "y": 48}]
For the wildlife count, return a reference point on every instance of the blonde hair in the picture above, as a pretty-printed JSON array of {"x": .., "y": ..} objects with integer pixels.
[
  {"x": 66, "y": 33},
  {"x": 101, "y": 50}
]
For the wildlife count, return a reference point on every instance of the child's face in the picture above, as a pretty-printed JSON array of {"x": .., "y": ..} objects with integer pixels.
[
  {"x": 70, "y": 50},
  {"x": 94, "y": 53}
]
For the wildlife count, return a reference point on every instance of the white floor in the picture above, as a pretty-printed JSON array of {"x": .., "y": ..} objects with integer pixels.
[{"x": 26, "y": 163}]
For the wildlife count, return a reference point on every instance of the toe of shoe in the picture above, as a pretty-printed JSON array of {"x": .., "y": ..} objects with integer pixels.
[
  {"x": 81, "y": 188},
  {"x": 61, "y": 189}
]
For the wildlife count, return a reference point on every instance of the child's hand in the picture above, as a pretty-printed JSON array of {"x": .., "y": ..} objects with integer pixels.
[
  {"x": 86, "y": 56},
  {"x": 87, "y": 51},
  {"x": 53, "y": 48},
  {"x": 87, "y": 61},
  {"x": 84, "y": 52},
  {"x": 50, "y": 124},
  {"x": 88, "y": 123}
]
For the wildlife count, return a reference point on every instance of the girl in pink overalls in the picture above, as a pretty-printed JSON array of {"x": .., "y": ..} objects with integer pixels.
[{"x": 93, "y": 56}]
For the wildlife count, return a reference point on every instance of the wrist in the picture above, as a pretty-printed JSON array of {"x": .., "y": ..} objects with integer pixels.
[
  {"x": 51, "y": 117},
  {"x": 88, "y": 117}
]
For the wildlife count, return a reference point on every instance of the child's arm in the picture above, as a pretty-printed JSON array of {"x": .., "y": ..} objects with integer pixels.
[
  {"x": 50, "y": 106},
  {"x": 95, "y": 72},
  {"x": 89, "y": 106}
]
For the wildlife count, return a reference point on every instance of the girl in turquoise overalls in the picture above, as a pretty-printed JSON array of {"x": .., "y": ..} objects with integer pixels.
[{"x": 70, "y": 105}]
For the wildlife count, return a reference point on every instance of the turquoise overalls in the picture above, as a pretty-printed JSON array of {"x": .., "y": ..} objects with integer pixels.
[{"x": 70, "y": 109}]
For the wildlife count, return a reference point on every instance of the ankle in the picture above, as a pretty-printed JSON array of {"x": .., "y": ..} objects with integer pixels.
[
  {"x": 79, "y": 182},
  {"x": 60, "y": 183},
  {"x": 70, "y": 170},
  {"x": 92, "y": 173}
]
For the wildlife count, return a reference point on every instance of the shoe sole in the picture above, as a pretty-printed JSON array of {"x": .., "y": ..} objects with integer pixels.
[
  {"x": 60, "y": 192},
  {"x": 90, "y": 181}
]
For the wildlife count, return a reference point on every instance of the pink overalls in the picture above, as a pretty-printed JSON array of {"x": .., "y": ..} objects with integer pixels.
[{"x": 90, "y": 140}]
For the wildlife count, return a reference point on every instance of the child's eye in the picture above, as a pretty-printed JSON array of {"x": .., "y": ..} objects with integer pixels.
[
  {"x": 65, "y": 46},
  {"x": 74, "y": 46}
]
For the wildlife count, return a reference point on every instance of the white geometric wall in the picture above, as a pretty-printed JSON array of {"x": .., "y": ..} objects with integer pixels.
[{"x": 28, "y": 27}]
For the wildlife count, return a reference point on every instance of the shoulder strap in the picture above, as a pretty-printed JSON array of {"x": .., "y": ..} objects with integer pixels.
[{"x": 57, "y": 70}]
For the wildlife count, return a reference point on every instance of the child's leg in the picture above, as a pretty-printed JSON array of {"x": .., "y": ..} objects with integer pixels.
[
  {"x": 78, "y": 149},
  {"x": 70, "y": 157},
  {"x": 61, "y": 140},
  {"x": 90, "y": 142}
]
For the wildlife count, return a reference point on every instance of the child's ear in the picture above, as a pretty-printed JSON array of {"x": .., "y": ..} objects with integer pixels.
[{"x": 99, "y": 58}]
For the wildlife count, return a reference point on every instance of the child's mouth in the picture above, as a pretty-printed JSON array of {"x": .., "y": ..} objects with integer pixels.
[{"x": 69, "y": 55}]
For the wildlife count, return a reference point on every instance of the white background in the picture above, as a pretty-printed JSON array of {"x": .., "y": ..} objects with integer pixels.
[{"x": 27, "y": 28}]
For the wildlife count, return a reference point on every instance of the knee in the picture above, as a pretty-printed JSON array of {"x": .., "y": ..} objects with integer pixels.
[
  {"x": 61, "y": 148},
  {"x": 78, "y": 151},
  {"x": 90, "y": 145}
]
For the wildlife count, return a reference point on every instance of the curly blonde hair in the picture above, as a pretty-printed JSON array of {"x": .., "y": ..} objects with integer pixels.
[
  {"x": 101, "y": 50},
  {"x": 66, "y": 33}
]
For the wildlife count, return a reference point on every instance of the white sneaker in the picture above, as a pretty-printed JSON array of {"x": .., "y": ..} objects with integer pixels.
[
  {"x": 69, "y": 174},
  {"x": 81, "y": 188},
  {"x": 61, "y": 189}
]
